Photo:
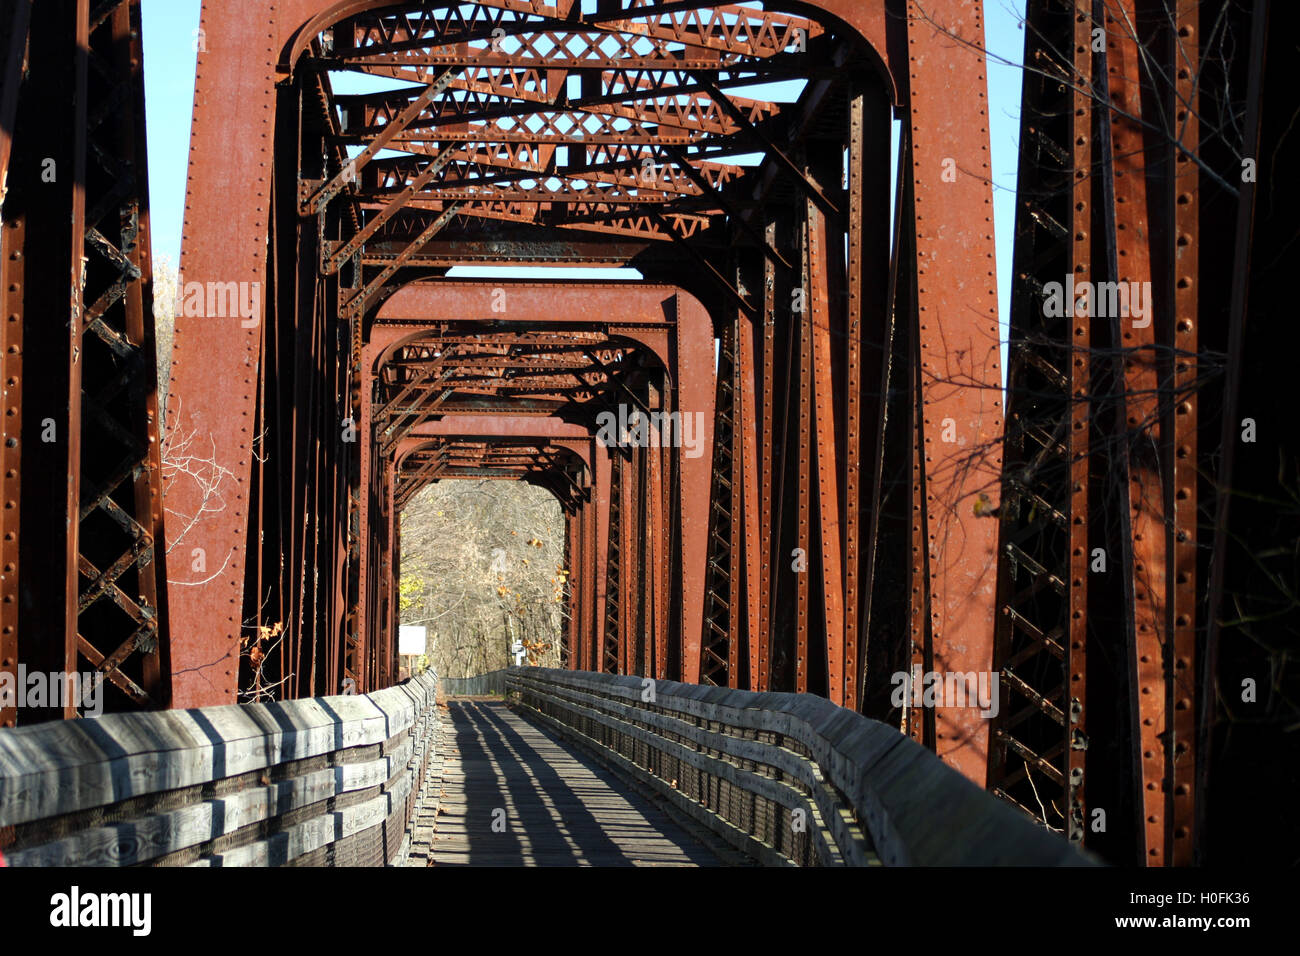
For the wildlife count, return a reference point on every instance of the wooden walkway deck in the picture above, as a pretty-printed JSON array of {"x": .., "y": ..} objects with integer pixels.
[{"x": 513, "y": 794}]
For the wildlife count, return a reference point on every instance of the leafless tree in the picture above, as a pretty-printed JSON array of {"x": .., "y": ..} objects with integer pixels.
[{"x": 482, "y": 569}]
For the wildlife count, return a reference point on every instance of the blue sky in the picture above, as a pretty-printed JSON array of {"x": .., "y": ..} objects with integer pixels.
[{"x": 169, "y": 32}]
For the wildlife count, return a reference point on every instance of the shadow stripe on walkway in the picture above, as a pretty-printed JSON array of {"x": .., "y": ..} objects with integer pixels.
[{"x": 513, "y": 794}]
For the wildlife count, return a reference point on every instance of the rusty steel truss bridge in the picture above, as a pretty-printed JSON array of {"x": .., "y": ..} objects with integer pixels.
[{"x": 831, "y": 465}]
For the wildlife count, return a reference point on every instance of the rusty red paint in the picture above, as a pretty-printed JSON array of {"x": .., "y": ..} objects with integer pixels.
[
  {"x": 959, "y": 360},
  {"x": 672, "y": 325}
]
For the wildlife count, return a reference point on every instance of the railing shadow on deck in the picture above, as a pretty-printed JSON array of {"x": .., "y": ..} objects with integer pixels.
[
  {"x": 541, "y": 815},
  {"x": 493, "y": 779}
]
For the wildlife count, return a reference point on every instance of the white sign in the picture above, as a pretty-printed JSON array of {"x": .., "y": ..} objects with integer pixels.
[{"x": 411, "y": 639}]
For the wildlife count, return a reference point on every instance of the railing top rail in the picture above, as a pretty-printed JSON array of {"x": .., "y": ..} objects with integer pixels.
[
  {"x": 917, "y": 809},
  {"x": 65, "y": 766}
]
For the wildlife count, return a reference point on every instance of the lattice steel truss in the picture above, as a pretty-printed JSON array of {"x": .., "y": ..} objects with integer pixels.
[
  {"x": 1114, "y": 443},
  {"x": 1039, "y": 742},
  {"x": 81, "y": 423}
]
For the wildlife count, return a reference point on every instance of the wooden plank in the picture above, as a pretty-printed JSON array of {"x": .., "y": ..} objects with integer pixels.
[
  {"x": 139, "y": 840},
  {"x": 552, "y": 805}
]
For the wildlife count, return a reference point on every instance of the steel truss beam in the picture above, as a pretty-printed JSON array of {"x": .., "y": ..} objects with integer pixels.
[
  {"x": 1107, "y": 459},
  {"x": 614, "y": 90},
  {"x": 83, "y": 514}
]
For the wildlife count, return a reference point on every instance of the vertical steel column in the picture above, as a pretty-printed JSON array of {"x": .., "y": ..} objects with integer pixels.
[
  {"x": 571, "y": 652},
  {"x": 395, "y": 589},
  {"x": 694, "y": 387},
  {"x": 629, "y": 582},
  {"x": 1037, "y": 755},
  {"x": 371, "y": 467},
  {"x": 611, "y": 633},
  {"x": 890, "y": 551},
  {"x": 641, "y": 638},
  {"x": 43, "y": 248},
  {"x": 748, "y": 542},
  {"x": 805, "y": 643},
  {"x": 13, "y": 237},
  {"x": 868, "y": 290},
  {"x": 600, "y": 544},
  {"x": 853, "y": 396},
  {"x": 147, "y": 608},
  {"x": 13, "y": 34},
  {"x": 728, "y": 516},
  {"x": 788, "y": 567},
  {"x": 918, "y": 720},
  {"x": 1181, "y": 453},
  {"x": 1075, "y": 650},
  {"x": 590, "y": 572},
  {"x": 342, "y": 508},
  {"x": 660, "y": 509},
  {"x": 961, "y": 426},
  {"x": 829, "y": 531},
  {"x": 367, "y": 447},
  {"x": 216, "y": 358},
  {"x": 388, "y": 612},
  {"x": 1146, "y": 564},
  {"x": 722, "y": 620},
  {"x": 760, "y": 669}
]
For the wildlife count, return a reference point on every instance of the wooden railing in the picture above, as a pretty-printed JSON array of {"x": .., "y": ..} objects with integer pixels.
[
  {"x": 335, "y": 781},
  {"x": 787, "y": 778},
  {"x": 329, "y": 781},
  {"x": 481, "y": 685}
]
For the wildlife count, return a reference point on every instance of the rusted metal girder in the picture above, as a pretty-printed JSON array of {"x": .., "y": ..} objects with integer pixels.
[
  {"x": 1180, "y": 454},
  {"x": 531, "y": 448},
  {"x": 1107, "y": 458},
  {"x": 442, "y": 370},
  {"x": 1042, "y": 629},
  {"x": 1145, "y": 564},
  {"x": 489, "y": 137},
  {"x": 722, "y": 621},
  {"x": 959, "y": 362},
  {"x": 555, "y": 464},
  {"x": 748, "y": 543},
  {"x": 833, "y": 391},
  {"x": 13, "y": 235},
  {"x": 520, "y": 69},
  {"x": 724, "y": 27},
  {"x": 518, "y": 97},
  {"x": 593, "y": 321},
  {"x": 83, "y": 514},
  {"x": 829, "y": 528},
  {"x": 325, "y": 371}
]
